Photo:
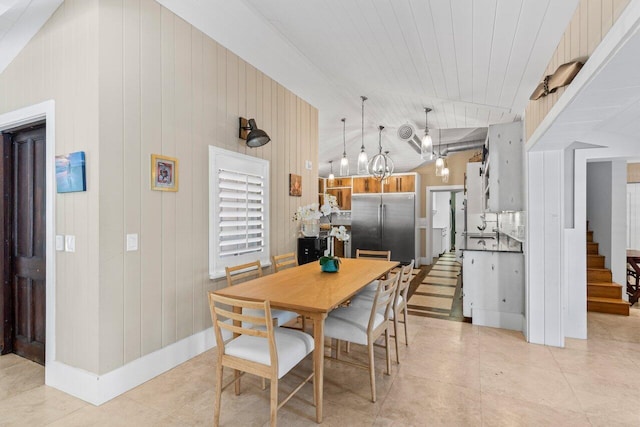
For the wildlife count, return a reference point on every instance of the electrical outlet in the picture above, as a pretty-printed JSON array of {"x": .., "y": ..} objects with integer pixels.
[{"x": 308, "y": 164}]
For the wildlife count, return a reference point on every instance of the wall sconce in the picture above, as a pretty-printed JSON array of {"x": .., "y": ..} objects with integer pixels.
[{"x": 249, "y": 131}]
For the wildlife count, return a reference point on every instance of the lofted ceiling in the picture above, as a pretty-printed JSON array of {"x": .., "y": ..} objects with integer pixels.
[{"x": 474, "y": 63}]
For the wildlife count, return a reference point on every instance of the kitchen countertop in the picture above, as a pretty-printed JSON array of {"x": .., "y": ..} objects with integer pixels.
[{"x": 489, "y": 243}]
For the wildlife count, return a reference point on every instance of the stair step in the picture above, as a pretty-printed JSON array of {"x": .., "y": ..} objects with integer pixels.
[
  {"x": 595, "y": 261},
  {"x": 595, "y": 275},
  {"x": 592, "y": 248},
  {"x": 589, "y": 236},
  {"x": 608, "y": 305},
  {"x": 604, "y": 290}
]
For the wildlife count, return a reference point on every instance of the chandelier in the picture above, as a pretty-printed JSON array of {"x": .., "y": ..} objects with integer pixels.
[{"x": 381, "y": 165}]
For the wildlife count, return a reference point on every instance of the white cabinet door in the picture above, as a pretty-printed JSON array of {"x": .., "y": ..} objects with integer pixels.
[{"x": 506, "y": 174}]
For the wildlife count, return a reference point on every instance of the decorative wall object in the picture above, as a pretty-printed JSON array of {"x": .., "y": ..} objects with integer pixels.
[
  {"x": 561, "y": 77},
  {"x": 295, "y": 185},
  {"x": 70, "y": 173},
  {"x": 164, "y": 173}
]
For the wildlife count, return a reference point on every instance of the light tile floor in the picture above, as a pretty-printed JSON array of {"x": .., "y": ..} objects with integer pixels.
[{"x": 453, "y": 374}]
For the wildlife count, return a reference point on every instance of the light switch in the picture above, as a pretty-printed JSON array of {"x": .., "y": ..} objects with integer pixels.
[
  {"x": 132, "y": 242},
  {"x": 70, "y": 243},
  {"x": 308, "y": 164},
  {"x": 59, "y": 242}
]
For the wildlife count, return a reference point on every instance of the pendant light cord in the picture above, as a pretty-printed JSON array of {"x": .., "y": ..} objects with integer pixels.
[
  {"x": 344, "y": 137},
  {"x": 364, "y": 98}
]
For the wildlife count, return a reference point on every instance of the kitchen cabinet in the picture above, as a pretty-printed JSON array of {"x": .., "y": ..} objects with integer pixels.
[
  {"x": 503, "y": 173},
  {"x": 400, "y": 184},
  {"x": 366, "y": 184},
  {"x": 474, "y": 188},
  {"x": 493, "y": 288},
  {"x": 340, "y": 182}
]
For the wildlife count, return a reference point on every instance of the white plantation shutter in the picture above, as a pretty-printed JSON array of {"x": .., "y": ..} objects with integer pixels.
[
  {"x": 238, "y": 210},
  {"x": 241, "y": 212}
]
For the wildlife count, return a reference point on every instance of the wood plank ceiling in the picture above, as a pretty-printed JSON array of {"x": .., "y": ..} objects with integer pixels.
[{"x": 475, "y": 62}]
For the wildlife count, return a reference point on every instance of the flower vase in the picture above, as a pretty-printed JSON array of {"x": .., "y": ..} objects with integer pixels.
[
  {"x": 310, "y": 227},
  {"x": 330, "y": 266}
]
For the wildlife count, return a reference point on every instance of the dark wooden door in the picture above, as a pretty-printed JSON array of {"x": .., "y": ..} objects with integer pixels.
[{"x": 27, "y": 247}]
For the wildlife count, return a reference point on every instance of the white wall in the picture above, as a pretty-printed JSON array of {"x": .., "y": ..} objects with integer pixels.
[
  {"x": 619, "y": 222},
  {"x": 633, "y": 215},
  {"x": 599, "y": 206}
]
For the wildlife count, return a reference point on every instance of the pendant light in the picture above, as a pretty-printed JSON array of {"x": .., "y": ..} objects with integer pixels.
[
  {"x": 332, "y": 177},
  {"x": 439, "y": 160},
  {"x": 344, "y": 163},
  {"x": 363, "y": 160},
  {"x": 445, "y": 173},
  {"x": 426, "y": 148},
  {"x": 381, "y": 165}
]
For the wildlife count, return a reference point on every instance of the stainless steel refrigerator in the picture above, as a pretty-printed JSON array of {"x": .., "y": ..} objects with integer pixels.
[{"x": 384, "y": 222}]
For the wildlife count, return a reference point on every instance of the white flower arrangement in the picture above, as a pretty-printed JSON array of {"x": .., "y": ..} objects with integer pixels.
[
  {"x": 340, "y": 233},
  {"x": 315, "y": 211}
]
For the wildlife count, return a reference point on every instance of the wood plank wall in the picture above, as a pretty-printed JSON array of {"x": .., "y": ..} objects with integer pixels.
[
  {"x": 590, "y": 23},
  {"x": 131, "y": 79}
]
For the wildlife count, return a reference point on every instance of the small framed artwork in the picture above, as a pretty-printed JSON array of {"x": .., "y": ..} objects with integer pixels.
[
  {"x": 70, "y": 173},
  {"x": 295, "y": 185},
  {"x": 164, "y": 173}
]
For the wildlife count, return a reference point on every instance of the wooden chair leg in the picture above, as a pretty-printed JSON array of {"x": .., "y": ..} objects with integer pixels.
[
  {"x": 386, "y": 347},
  {"x": 218, "y": 397},
  {"x": 406, "y": 326},
  {"x": 372, "y": 374},
  {"x": 274, "y": 402},
  {"x": 236, "y": 376},
  {"x": 395, "y": 336}
]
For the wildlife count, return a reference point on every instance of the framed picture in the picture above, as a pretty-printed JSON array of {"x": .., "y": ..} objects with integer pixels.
[
  {"x": 295, "y": 185},
  {"x": 164, "y": 173},
  {"x": 70, "y": 173}
]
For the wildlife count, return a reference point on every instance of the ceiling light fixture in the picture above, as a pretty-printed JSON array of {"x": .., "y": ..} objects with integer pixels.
[
  {"x": 445, "y": 173},
  {"x": 381, "y": 165},
  {"x": 344, "y": 163},
  {"x": 426, "y": 148},
  {"x": 363, "y": 160},
  {"x": 439, "y": 160},
  {"x": 332, "y": 177},
  {"x": 249, "y": 131}
]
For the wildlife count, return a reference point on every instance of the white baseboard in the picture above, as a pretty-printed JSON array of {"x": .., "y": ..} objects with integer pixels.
[
  {"x": 424, "y": 261},
  {"x": 98, "y": 389}
]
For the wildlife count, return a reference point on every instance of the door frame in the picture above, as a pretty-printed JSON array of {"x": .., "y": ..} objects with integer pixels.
[
  {"x": 23, "y": 116},
  {"x": 428, "y": 252}
]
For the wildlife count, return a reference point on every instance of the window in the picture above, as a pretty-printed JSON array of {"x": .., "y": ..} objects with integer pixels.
[{"x": 238, "y": 210}]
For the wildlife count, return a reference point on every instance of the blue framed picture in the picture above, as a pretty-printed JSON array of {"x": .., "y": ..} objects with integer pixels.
[{"x": 70, "y": 173}]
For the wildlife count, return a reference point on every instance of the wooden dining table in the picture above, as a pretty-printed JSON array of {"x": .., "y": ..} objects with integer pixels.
[{"x": 312, "y": 293}]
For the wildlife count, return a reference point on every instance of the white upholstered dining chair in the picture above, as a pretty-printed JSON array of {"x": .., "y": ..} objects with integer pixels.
[
  {"x": 365, "y": 325},
  {"x": 253, "y": 270},
  {"x": 399, "y": 307},
  {"x": 263, "y": 350}
]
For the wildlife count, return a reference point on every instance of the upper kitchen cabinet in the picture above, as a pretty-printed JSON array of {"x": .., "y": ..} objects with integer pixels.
[
  {"x": 339, "y": 182},
  {"x": 400, "y": 184},
  {"x": 366, "y": 184},
  {"x": 503, "y": 171}
]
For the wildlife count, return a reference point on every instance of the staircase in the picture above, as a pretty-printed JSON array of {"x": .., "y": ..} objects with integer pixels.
[{"x": 603, "y": 295}]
